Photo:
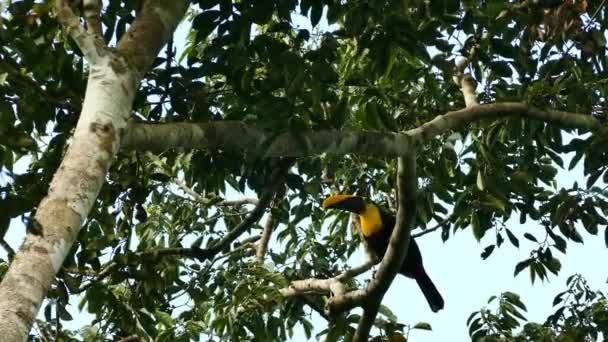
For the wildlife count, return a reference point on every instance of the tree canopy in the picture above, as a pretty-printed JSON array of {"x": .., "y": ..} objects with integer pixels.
[{"x": 204, "y": 219}]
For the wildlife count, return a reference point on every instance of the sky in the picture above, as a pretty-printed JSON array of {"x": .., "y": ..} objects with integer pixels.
[{"x": 464, "y": 279}]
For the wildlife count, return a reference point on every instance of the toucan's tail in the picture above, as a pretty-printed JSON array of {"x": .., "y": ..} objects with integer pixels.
[{"x": 432, "y": 295}]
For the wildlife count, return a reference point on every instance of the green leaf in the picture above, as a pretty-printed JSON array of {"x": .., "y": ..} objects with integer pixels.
[
  {"x": 501, "y": 69},
  {"x": 338, "y": 115},
  {"x": 570, "y": 232},
  {"x": 474, "y": 327},
  {"x": 63, "y": 313},
  {"x": 560, "y": 243},
  {"x": 589, "y": 223},
  {"x": 512, "y": 238},
  {"x": 522, "y": 265},
  {"x": 553, "y": 265},
  {"x": 477, "y": 232},
  {"x": 480, "y": 182},
  {"x": 471, "y": 316},
  {"x": 205, "y": 23},
  {"x": 487, "y": 252},
  {"x": 423, "y": 326},
  {"x": 593, "y": 178},
  {"x": 494, "y": 202},
  {"x": 262, "y": 11},
  {"x": 577, "y": 157},
  {"x": 530, "y": 237},
  {"x": 388, "y": 313},
  {"x": 316, "y": 12}
]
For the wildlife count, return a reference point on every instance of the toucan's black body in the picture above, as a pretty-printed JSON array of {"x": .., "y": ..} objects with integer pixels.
[{"x": 378, "y": 240}]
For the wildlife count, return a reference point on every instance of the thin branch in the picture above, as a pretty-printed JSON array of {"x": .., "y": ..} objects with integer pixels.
[
  {"x": 356, "y": 271},
  {"x": 222, "y": 203},
  {"x": 238, "y": 202},
  {"x": 91, "y": 46},
  {"x": 262, "y": 247},
  {"x": 201, "y": 254},
  {"x": 456, "y": 119},
  {"x": 253, "y": 217},
  {"x": 334, "y": 286},
  {"x": 156, "y": 254},
  {"x": 314, "y": 285},
  {"x": 466, "y": 83},
  {"x": 277, "y": 176},
  {"x": 467, "y": 87},
  {"x": 432, "y": 229},
  {"x": 9, "y": 250},
  {"x": 132, "y": 338},
  {"x": 91, "y": 9},
  {"x": 188, "y": 190}
]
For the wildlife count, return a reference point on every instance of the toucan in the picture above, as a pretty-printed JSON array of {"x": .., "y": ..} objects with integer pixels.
[{"x": 377, "y": 225}]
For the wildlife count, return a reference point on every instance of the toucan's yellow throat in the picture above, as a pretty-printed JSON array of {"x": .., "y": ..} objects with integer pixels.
[{"x": 369, "y": 213}]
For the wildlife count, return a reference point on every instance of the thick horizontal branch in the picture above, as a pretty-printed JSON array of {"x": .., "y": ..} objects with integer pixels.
[{"x": 239, "y": 136}]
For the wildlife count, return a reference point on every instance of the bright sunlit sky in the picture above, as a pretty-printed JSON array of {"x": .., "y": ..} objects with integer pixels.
[{"x": 464, "y": 279}]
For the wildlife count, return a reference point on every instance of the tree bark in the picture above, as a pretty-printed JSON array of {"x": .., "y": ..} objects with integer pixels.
[
  {"x": 239, "y": 136},
  {"x": 113, "y": 80}
]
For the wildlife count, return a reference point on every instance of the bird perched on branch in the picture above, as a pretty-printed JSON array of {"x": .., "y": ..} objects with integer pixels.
[{"x": 376, "y": 227}]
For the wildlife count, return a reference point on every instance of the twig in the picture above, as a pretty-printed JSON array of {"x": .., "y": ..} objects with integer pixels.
[
  {"x": 9, "y": 250},
  {"x": 430, "y": 230},
  {"x": 188, "y": 190},
  {"x": 356, "y": 271}
]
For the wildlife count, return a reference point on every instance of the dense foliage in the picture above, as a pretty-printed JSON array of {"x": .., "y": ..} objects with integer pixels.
[
  {"x": 290, "y": 66},
  {"x": 581, "y": 315}
]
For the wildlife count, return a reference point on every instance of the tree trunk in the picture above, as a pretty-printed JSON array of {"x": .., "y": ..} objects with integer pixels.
[{"x": 113, "y": 81}]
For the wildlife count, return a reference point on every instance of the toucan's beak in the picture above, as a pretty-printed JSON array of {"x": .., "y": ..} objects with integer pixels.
[{"x": 350, "y": 203}]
